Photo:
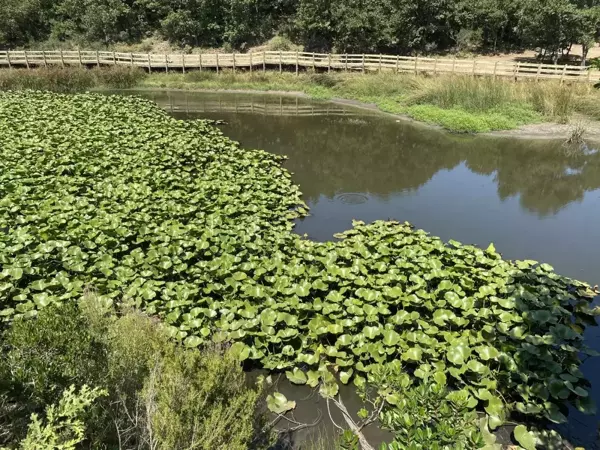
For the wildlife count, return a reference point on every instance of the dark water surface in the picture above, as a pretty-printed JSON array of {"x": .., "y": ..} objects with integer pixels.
[{"x": 533, "y": 199}]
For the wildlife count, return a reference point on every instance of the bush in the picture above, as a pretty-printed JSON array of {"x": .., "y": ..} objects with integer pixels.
[
  {"x": 64, "y": 427},
  {"x": 159, "y": 394}
]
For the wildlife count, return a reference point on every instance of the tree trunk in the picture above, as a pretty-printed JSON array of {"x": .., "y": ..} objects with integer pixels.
[{"x": 584, "y": 52}]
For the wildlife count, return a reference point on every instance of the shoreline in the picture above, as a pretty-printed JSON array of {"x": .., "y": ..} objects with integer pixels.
[{"x": 541, "y": 131}]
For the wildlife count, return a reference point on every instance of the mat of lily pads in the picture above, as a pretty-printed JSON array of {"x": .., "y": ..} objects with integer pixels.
[{"x": 110, "y": 194}]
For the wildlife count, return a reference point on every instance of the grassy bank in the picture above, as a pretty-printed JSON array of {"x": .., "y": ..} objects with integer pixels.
[
  {"x": 457, "y": 103},
  {"x": 460, "y": 103}
]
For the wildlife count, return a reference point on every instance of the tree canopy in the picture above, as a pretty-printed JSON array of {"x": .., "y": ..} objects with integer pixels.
[{"x": 393, "y": 26}]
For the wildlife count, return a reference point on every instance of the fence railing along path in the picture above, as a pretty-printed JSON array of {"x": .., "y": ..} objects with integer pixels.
[{"x": 297, "y": 61}]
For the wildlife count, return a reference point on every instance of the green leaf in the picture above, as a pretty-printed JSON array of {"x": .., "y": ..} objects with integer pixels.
[
  {"x": 524, "y": 437},
  {"x": 390, "y": 338},
  {"x": 457, "y": 354},
  {"x": 240, "y": 351},
  {"x": 412, "y": 354},
  {"x": 296, "y": 376},
  {"x": 279, "y": 404}
]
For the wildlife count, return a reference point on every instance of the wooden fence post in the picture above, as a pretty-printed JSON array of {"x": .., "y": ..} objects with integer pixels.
[
  {"x": 346, "y": 62},
  {"x": 233, "y": 57},
  {"x": 474, "y": 65},
  {"x": 562, "y": 76},
  {"x": 251, "y": 68},
  {"x": 416, "y": 65},
  {"x": 397, "y": 63},
  {"x": 45, "y": 60},
  {"x": 363, "y": 63},
  {"x": 537, "y": 75},
  {"x": 98, "y": 59},
  {"x": 453, "y": 64},
  {"x": 314, "y": 63},
  {"x": 495, "y": 69},
  {"x": 166, "y": 63},
  {"x": 79, "y": 54},
  {"x": 26, "y": 59},
  {"x": 329, "y": 63},
  {"x": 516, "y": 72},
  {"x": 8, "y": 59},
  {"x": 380, "y": 58},
  {"x": 200, "y": 61},
  {"x": 62, "y": 58},
  {"x": 264, "y": 61},
  {"x": 149, "y": 63},
  {"x": 183, "y": 63},
  {"x": 296, "y": 62},
  {"x": 217, "y": 55},
  {"x": 114, "y": 58},
  {"x": 131, "y": 59},
  {"x": 280, "y": 61},
  {"x": 435, "y": 66}
]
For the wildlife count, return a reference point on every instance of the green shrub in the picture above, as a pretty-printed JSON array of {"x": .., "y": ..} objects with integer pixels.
[
  {"x": 63, "y": 427},
  {"x": 199, "y": 400},
  {"x": 46, "y": 355},
  {"x": 157, "y": 392}
]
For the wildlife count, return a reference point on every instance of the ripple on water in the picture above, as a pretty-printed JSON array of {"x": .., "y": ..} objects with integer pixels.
[{"x": 352, "y": 198}]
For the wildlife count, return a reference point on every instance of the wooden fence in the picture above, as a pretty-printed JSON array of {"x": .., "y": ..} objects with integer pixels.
[{"x": 296, "y": 61}]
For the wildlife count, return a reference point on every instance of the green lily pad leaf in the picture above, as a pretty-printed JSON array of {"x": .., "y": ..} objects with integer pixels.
[
  {"x": 279, "y": 404},
  {"x": 457, "y": 354},
  {"x": 329, "y": 389},
  {"x": 524, "y": 437},
  {"x": 312, "y": 378},
  {"x": 240, "y": 351},
  {"x": 296, "y": 376},
  {"x": 345, "y": 376},
  {"x": 477, "y": 367},
  {"x": 192, "y": 341},
  {"x": 486, "y": 352},
  {"x": 412, "y": 354},
  {"x": 371, "y": 332},
  {"x": 343, "y": 341},
  {"x": 390, "y": 338},
  {"x": 335, "y": 328},
  {"x": 14, "y": 272},
  {"x": 42, "y": 299}
]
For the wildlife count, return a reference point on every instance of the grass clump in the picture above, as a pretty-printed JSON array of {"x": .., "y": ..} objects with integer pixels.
[{"x": 67, "y": 80}]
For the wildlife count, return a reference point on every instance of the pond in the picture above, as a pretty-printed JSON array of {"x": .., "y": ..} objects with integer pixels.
[{"x": 533, "y": 199}]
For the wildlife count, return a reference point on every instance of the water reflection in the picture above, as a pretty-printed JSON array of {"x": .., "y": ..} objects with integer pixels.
[{"x": 335, "y": 148}]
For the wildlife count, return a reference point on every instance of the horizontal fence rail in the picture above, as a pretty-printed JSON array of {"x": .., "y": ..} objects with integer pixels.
[{"x": 300, "y": 60}]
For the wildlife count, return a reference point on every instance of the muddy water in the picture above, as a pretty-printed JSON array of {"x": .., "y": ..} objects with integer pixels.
[{"x": 533, "y": 199}]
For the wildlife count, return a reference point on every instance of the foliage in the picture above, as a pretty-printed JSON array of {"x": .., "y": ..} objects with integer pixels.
[
  {"x": 70, "y": 79},
  {"x": 425, "y": 415},
  {"x": 64, "y": 428},
  {"x": 45, "y": 357},
  {"x": 198, "y": 401},
  {"x": 402, "y": 26},
  {"x": 158, "y": 394},
  {"x": 178, "y": 220}
]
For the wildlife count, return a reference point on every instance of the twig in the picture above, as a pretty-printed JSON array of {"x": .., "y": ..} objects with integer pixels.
[{"x": 331, "y": 418}]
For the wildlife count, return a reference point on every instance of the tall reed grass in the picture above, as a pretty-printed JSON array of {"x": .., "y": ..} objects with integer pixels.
[{"x": 70, "y": 79}]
